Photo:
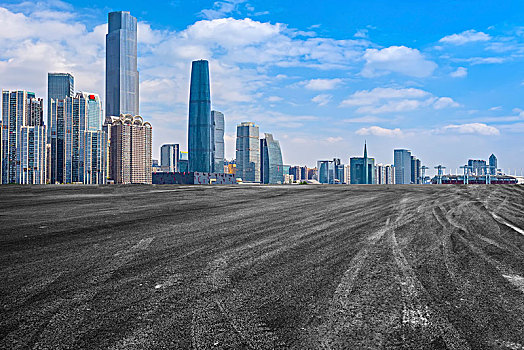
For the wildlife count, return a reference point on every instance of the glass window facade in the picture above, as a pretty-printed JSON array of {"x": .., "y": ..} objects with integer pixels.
[
  {"x": 248, "y": 152},
  {"x": 271, "y": 164},
  {"x": 200, "y": 128},
  {"x": 217, "y": 119},
  {"x": 402, "y": 159},
  {"x": 122, "y": 79}
]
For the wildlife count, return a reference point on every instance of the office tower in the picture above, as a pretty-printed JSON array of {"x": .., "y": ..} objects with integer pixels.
[
  {"x": 296, "y": 172},
  {"x": 416, "y": 174},
  {"x": 170, "y": 157},
  {"x": 326, "y": 171},
  {"x": 493, "y": 164},
  {"x": 248, "y": 152},
  {"x": 59, "y": 87},
  {"x": 477, "y": 167},
  {"x": 78, "y": 146},
  {"x": 200, "y": 130},
  {"x": 217, "y": 121},
  {"x": 362, "y": 169},
  {"x": 271, "y": 167},
  {"x": 339, "y": 171},
  {"x": 121, "y": 65},
  {"x": 304, "y": 173},
  {"x": 402, "y": 163},
  {"x": 183, "y": 162},
  {"x": 385, "y": 174},
  {"x": 23, "y": 139},
  {"x": 130, "y": 149}
]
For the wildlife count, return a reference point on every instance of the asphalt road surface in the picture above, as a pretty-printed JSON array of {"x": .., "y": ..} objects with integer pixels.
[{"x": 262, "y": 267}]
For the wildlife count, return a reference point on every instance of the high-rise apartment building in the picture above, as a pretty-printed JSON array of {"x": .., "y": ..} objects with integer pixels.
[
  {"x": 122, "y": 79},
  {"x": 78, "y": 146},
  {"x": 200, "y": 130},
  {"x": 130, "y": 149},
  {"x": 493, "y": 164},
  {"x": 59, "y": 87},
  {"x": 170, "y": 158},
  {"x": 339, "y": 171},
  {"x": 217, "y": 122},
  {"x": 248, "y": 152},
  {"x": 385, "y": 174},
  {"x": 296, "y": 172},
  {"x": 271, "y": 164},
  {"x": 23, "y": 150},
  {"x": 402, "y": 163},
  {"x": 362, "y": 169}
]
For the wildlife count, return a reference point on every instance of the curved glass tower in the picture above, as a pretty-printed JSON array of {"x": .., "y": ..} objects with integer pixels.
[
  {"x": 121, "y": 65},
  {"x": 271, "y": 164},
  {"x": 200, "y": 136}
]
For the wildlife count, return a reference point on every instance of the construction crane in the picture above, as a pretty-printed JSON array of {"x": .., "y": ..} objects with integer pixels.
[
  {"x": 440, "y": 172},
  {"x": 424, "y": 168}
]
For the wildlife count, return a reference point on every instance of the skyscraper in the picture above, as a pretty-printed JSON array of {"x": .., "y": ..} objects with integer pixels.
[
  {"x": 200, "y": 136},
  {"x": 385, "y": 174},
  {"x": 362, "y": 169},
  {"x": 493, "y": 164},
  {"x": 121, "y": 65},
  {"x": 217, "y": 121},
  {"x": 271, "y": 164},
  {"x": 130, "y": 151},
  {"x": 477, "y": 167},
  {"x": 402, "y": 158},
  {"x": 416, "y": 174},
  {"x": 248, "y": 152},
  {"x": 59, "y": 86},
  {"x": 326, "y": 171},
  {"x": 170, "y": 158},
  {"x": 78, "y": 146},
  {"x": 24, "y": 138}
]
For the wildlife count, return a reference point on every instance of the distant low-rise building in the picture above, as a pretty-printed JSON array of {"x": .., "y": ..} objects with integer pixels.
[{"x": 193, "y": 178}]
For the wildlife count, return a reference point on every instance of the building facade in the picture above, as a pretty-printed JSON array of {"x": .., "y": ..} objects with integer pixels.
[
  {"x": 271, "y": 164},
  {"x": 326, "y": 171},
  {"x": 416, "y": 170},
  {"x": 402, "y": 163},
  {"x": 217, "y": 121},
  {"x": 362, "y": 169},
  {"x": 385, "y": 174},
  {"x": 200, "y": 130},
  {"x": 122, "y": 79},
  {"x": 477, "y": 167},
  {"x": 130, "y": 149},
  {"x": 170, "y": 158},
  {"x": 493, "y": 164},
  {"x": 78, "y": 145},
  {"x": 23, "y": 140},
  {"x": 59, "y": 87},
  {"x": 248, "y": 152}
]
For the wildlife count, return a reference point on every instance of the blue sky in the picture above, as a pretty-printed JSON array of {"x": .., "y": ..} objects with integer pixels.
[{"x": 444, "y": 79}]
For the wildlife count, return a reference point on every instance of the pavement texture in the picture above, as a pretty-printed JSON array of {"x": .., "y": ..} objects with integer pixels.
[{"x": 262, "y": 267}]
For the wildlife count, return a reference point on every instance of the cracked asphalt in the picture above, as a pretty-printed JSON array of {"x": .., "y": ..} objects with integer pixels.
[{"x": 262, "y": 267}]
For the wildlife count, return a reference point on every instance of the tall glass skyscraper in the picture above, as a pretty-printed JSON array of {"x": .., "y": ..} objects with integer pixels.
[
  {"x": 362, "y": 169},
  {"x": 271, "y": 164},
  {"x": 402, "y": 159},
  {"x": 248, "y": 152},
  {"x": 493, "y": 164},
  {"x": 59, "y": 86},
  {"x": 217, "y": 120},
  {"x": 121, "y": 65},
  {"x": 200, "y": 127}
]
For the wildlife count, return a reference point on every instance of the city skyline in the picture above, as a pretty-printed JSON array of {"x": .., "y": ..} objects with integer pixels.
[{"x": 320, "y": 104}]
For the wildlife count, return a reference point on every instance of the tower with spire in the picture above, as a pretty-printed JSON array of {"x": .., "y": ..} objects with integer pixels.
[{"x": 362, "y": 169}]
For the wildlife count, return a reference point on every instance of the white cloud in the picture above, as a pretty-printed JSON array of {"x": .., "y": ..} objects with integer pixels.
[
  {"x": 467, "y": 36},
  {"x": 334, "y": 139},
  {"x": 461, "y": 72},
  {"x": 321, "y": 84},
  {"x": 378, "y": 131},
  {"x": 222, "y": 8},
  {"x": 367, "y": 97},
  {"x": 445, "y": 102},
  {"x": 398, "y": 59},
  {"x": 322, "y": 99},
  {"x": 361, "y": 33},
  {"x": 274, "y": 99},
  {"x": 473, "y": 128}
]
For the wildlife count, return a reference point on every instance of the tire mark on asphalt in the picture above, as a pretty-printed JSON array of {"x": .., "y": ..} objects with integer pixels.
[
  {"x": 504, "y": 222},
  {"x": 418, "y": 313}
]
